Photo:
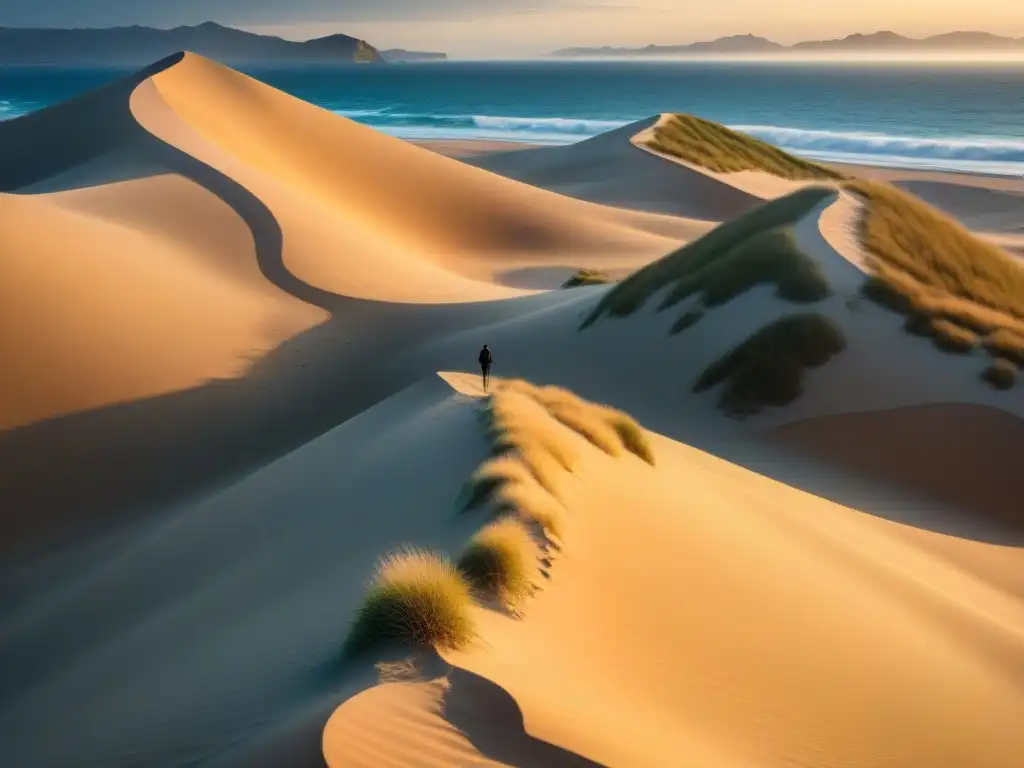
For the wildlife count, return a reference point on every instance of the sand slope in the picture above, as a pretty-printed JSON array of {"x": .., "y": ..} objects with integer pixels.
[
  {"x": 186, "y": 246},
  {"x": 213, "y": 633},
  {"x": 258, "y": 195},
  {"x": 224, "y": 310},
  {"x": 611, "y": 170},
  {"x": 776, "y": 628}
]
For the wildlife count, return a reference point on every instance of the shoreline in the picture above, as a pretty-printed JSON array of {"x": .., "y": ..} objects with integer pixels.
[{"x": 465, "y": 148}]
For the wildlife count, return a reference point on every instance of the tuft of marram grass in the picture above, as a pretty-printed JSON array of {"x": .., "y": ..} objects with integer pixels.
[
  {"x": 588, "y": 423},
  {"x": 1006, "y": 343},
  {"x": 532, "y": 504},
  {"x": 930, "y": 267},
  {"x": 1001, "y": 374},
  {"x": 501, "y": 559},
  {"x": 768, "y": 368},
  {"x": 587, "y": 277},
  {"x": 632, "y": 435},
  {"x": 518, "y": 419},
  {"x": 722, "y": 150},
  {"x": 415, "y": 598},
  {"x": 490, "y": 477},
  {"x": 951, "y": 337},
  {"x": 755, "y": 248}
]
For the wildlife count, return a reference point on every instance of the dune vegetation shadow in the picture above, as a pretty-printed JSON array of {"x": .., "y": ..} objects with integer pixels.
[{"x": 492, "y": 721}]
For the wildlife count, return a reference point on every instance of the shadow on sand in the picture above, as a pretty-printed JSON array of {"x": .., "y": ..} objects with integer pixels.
[{"x": 492, "y": 721}]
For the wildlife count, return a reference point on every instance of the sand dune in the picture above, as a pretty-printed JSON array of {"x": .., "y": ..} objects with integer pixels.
[
  {"x": 215, "y": 219},
  {"x": 159, "y": 162},
  {"x": 953, "y": 454},
  {"x": 745, "y": 654},
  {"x": 103, "y": 322},
  {"x": 224, "y": 314},
  {"x": 609, "y": 169}
]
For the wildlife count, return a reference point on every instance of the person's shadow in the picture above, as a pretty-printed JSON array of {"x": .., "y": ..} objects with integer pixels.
[{"x": 492, "y": 721}]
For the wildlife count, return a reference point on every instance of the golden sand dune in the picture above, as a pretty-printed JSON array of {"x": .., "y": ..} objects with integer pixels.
[
  {"x": 224, "y": 311},
  {"x": 263, "y": 196},
  {"x": 777, "y": 628}
]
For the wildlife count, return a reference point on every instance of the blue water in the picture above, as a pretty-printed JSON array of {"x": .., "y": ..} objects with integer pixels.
[{"x": 959, "y": 117}]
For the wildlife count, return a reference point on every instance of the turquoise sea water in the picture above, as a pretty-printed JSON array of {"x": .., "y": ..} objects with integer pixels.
[{"x": 959, "y": 117}]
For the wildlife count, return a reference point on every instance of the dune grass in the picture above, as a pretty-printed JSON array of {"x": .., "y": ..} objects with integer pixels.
[
  {"x": 925, "y": 262},
  {"x": 416, "y": 598},
  {"x": 633, "y": 436},
  {"x": 1006, "y": 343},
  {"x": 501, "y": 560},
  {"x": 609, "y": 429},
  {"x": 1001, "y": 374},
  {"x": 580, "y": 419},
  {"x": 721, "y": 150},
  {"x": 533, "y": 505},
  {"x": 756, "y": 248},
  {"x": 689, "y": 318},
  {"x": 587, "y": 277},
  {"x": 530, "y": 430},
  {"x": 951, "y": 337},
  {"x": 768, "y": 368}
]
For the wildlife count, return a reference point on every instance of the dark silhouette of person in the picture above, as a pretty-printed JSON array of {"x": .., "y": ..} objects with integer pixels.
[{"x": 485, "y": 358}]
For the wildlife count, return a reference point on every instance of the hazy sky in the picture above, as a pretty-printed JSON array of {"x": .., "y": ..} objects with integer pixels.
[{"x": 515, "y": 28}]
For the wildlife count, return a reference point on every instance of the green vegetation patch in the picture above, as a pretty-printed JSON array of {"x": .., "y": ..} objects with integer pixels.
[
  {"x": 719, "y": 149},
  {"x": 415, "y": 598},
  {"x": 949, "y": 284},
  {"x": 950, "y": 337},
  {"x": 1001, "y": 374},
  {"x": 906, "y": 235},
  {"x": 587, "y": 277},
  {"x": 1006, "y": 343},
  {"x": 768, "y": 368},
  {"x": 755, "y": 248},
  {"x": 501, "y": 559}
]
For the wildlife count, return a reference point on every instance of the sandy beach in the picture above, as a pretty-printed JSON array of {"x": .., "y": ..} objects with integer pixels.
[{"x": 241, "y": 342}]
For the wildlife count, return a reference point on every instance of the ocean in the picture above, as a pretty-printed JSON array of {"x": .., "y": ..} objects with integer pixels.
[{"x": 953, "y": 117}]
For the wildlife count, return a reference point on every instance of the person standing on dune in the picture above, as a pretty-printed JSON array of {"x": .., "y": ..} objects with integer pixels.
[{"x": 485, "y": 359}]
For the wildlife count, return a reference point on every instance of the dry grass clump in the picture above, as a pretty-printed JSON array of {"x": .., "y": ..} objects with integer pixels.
[
  {"x": 587, "y": 277},
  {"x": 501, "y": 559},
  {"x": 532, "y": 504},
  {"x": 633, "y": 436},
  {"x": 532, "y": 451},
  {"x": 491, "y": 476},
  {"x": 951, "y": 285},
  {"x": 527, "y": 426},
  {"x": 415, "y": 598},
  {"x": 1006, "y": 343},
  {"x": 952, "y": 337},
  {"x": 1001, "y": 374},
  {"x": 719, "y": 149},
  {"x": 753, "y": 249},
  {"x": 518, "y": 424},
  {"x": 907, "y": 235},
  {"x": 586, "y": 422},
  {"x": 609, "y": 429},
  {"x": 926, "y": 263},
  {"x": 689, "y": 318},
  {"x": 767, "y": 369}
]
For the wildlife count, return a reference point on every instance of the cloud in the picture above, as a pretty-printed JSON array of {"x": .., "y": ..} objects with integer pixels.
[{"x": 165, "y": 13}]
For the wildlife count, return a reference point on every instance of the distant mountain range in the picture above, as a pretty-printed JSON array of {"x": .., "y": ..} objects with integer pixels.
[
  {"x": 857, "y": 43},
  {"x": 136, "y": 46}
]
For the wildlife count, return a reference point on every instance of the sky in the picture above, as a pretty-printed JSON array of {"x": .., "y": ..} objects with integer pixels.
[{"x": 524, "y": 28}]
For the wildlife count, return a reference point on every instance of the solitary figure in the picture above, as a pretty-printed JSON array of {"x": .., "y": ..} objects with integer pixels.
[{"x": 485, "y": 364}]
